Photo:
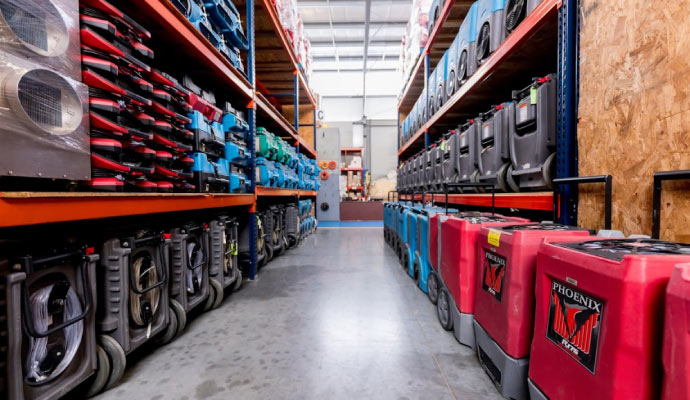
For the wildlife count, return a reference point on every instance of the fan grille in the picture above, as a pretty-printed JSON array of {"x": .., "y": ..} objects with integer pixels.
[
  {"x": 42, "y": 102},
  {"x": 28, "y": 27},
  {"x": 617, "y": 248},
  {"x": 462, "y": 66},
  {"x": 483, "y": 42},
  {"x": 514, "y": 14}
]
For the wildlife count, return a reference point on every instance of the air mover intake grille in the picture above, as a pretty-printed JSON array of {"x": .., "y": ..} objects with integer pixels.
[
  {"x": 515, "y": 10},
  {"x": 28, "y": 27},
  {"x": 41, "y": 101}
]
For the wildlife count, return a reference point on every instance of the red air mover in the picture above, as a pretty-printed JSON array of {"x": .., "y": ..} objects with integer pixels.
[
  {"x": 504, "y": 301},
  {"x": 458, "y": 237},
  {"x": 676, "y": 353},
  {"x": 598, "y": 322}
]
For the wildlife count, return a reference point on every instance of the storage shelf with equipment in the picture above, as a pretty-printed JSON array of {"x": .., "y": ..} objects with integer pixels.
[{"x": 529, "y": 51}]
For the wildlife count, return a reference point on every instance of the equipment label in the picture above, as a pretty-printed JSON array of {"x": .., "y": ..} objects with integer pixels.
[
  {"x": 575, "y": 323},
  {"x": 494, "y": 274},
  {"x": 494, "y": 238}
]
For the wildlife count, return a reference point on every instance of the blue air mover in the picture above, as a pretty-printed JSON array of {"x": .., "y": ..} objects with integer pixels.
[
  {"x": 238, "y": 181},
  {"x": 208, "y": 138},
  {"x": 209, "y": 176},
  {"x": 451, "y": 68},
  {"x": 226, "y": 18},
  {"x": 467, "y": 47},
  {"x": 236, "y": 153},
  {"x": 490, "y": 27},
  {"x": 441, "y": 77},
  {"x": 199, "y": 19},
  {"x": 467, "y": 164},
  {"x": 533, "y": 135},
  {"x": 493, "y": 146},
  {"x": 412, "y": 241},
  {"x": 234, "y": 123},
  {"x": 435, "y": 13},
  {"x": 264, "y": 172},
  {"x": 431, "y": 95}
]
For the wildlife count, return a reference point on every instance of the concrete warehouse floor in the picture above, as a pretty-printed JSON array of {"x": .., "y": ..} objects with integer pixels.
[{"x": 336, "y": 318}]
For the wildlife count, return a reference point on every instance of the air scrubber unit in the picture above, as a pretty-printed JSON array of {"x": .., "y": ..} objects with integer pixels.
[
  {"x": 189, "y": 260},
  {"x": 437, "y": 161},
  {"x": 42, "y": 32},
  {"x": 223, "y": 269},
  {"x": 493, "y": 146},
  {"x": 428, "y": 182},
  {"x": 490, "y": 27},
  {"x": 449, "y": 153},
  {"x": 467, "y": 47},
  {"x": 50, "y": 333},
  {"x": 598, "y": 322},
  {"x": 45, "y": 123},
  {"x": 137, "y": 268},
  {"x": 293, "y": 220},
  {"x": 533, "y": 135}
]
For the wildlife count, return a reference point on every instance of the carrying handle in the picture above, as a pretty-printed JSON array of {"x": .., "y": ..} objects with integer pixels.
[
  {"x": 29, "y": 266},
  {"x": 446, "y": 186},
  {"x": 659, "y": 177},
  {"x": 608, "y": 184}
]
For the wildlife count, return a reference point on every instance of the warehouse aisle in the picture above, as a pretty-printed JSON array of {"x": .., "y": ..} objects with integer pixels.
[{"x": 336, "y": 318}]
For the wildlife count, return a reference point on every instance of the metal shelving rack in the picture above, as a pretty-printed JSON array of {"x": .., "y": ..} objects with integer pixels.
[
  {"x": 173, "y": 34},
  {"x": 552, "y": 28}
]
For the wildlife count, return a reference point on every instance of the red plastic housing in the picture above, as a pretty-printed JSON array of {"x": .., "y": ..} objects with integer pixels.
[
  {"x": 676, "y": 353},
  {"x": 599, "y": 320},
  {"x": 504, "y": 301},
  {"x": 459, "y": 256}
]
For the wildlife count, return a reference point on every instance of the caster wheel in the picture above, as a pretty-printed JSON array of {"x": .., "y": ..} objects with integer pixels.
[
  {"x": 215, "y": 295},
  {"x": 443, "y": 309},
  {"x": 292, "y": 242},
  {"x": 417, "y": 275},
  {"x": 118, "y": 360},
  {"x": 264, "y": 259},
  {"x": 474, "y": 178},
  {"x": 238, "y": 282},
  {"x": 501, "y": 177},
  {"x": 269, "y": 252},
  {"x": 180, "y": 315},
  {"x": 513, "y": 182},
  {"x": 100, "y": 377},
  {"x": 405, "y": 259},
  {"x": 432, "y": 288},
  {"x": 171, "y": 331}
]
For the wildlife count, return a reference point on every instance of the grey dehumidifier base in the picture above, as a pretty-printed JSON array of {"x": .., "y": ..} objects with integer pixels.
[
  {"x": 508, "y": 374},
  {"x": 534, "y": 392},
  {"x": 462, "y": 325}
]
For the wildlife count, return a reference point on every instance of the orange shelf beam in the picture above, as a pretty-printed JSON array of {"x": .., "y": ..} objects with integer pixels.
[
  {"x": 31, "y": 208},
  {"x": 350, "y": 149},
  {"x": 263, "y": 191},
  {"x": 541, "y": 201}
]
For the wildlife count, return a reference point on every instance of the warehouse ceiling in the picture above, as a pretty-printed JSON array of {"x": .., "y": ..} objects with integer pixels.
[{"x": 338, "y": 30}]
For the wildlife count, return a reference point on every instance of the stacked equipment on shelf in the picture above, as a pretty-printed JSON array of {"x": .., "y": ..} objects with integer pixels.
[
  {"x": 219, "y": 22},
  {"x": 43, "y": 106},
  {"x": 490, "y": 31},
  {"x": 279, "y": 165},
  {"x": 138, "y": 138},
  {"x": 236, "y": 132}
]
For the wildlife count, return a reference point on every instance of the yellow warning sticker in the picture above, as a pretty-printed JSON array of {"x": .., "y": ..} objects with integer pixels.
[{"x": 494, "y": 238}]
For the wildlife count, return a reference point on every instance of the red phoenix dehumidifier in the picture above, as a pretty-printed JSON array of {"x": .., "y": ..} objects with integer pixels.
[
  {"x": 504, "y": 301},
  {"x": 676, "y": 352},
  {"x": 458, "y": 254},
  {"x": 599, "y": 318}
]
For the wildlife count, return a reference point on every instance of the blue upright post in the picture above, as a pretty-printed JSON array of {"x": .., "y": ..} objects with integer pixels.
[
  {"x": 296, "y": 79},
  {"x": 251, "y": 121},
  {"x": 568, "y": 92}
]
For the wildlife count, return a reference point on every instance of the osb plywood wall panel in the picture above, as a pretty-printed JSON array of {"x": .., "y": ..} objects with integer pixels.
[
  {"x": 306, "y": 116},
  {"x": 635, "y": 111}
]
